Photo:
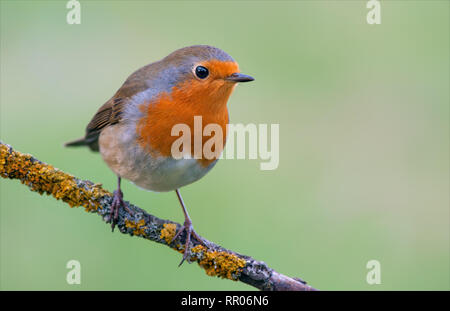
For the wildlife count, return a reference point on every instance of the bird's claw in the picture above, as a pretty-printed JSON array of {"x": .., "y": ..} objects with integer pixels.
[
  {"x": 190, "y": 232},
  {"x": 116, "y": 204}
]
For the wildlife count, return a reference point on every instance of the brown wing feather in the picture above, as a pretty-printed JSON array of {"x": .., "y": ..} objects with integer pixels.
[{"x": 108, "y": 114}]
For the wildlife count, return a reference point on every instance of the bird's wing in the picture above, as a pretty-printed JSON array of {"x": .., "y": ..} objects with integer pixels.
[
  {"x": 108, "y": 114},
  {"x": 111, "y": 112}
]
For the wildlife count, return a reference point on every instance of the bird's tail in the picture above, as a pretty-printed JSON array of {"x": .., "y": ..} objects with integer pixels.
[
  {"x": 90, "y": 141},
  {"x": 76, "y": 143}
]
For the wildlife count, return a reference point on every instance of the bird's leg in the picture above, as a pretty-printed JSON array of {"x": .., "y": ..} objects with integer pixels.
[
  {"x": 117, "y": 203},
  {"x": 188, "y": 228}
]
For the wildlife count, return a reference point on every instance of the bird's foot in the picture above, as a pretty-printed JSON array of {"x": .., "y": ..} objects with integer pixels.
[
  {"x": 190, "y": 232},
  {"x": 117, "y": 203}
]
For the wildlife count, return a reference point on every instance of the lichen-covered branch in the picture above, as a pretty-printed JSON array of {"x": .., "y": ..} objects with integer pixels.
[{"x": 216, "y": 260}]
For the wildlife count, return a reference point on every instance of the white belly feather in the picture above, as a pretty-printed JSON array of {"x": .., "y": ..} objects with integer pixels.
[{"x": 125, "y": 157}]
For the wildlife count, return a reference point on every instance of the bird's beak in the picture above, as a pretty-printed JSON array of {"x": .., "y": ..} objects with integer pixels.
[{"x": 239, "y": 77}]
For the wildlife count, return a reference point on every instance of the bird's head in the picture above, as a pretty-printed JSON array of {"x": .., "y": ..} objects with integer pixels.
[{"x": 203, "y": 75}]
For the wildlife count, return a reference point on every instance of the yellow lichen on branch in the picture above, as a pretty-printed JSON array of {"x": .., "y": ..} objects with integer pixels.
[
  {"x": 44, "y": 178},
  {"x": 222, "y": 264},
  {"x": 168, "y": 232},
  {"x": 215, "y": 263},
  {"x": 139, "y": 227}
]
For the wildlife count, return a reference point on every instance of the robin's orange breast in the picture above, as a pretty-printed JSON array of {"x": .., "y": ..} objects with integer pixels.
[{"x": 190, "y": 98}]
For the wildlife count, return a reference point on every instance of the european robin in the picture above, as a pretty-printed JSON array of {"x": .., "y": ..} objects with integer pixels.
[{"x": 132, "y": 130}]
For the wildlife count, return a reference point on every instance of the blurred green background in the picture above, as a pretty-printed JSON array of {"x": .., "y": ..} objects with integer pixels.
[{"x": 364, "y": 141}]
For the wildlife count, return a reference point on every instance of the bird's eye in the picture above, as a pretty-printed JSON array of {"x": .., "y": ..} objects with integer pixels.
[{"x": 201, "y": 72}]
